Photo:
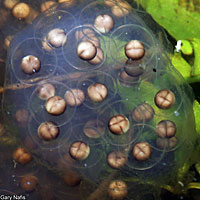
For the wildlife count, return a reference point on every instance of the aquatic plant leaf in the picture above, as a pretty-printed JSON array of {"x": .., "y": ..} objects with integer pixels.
[
  {"x": 196, "y": 67},
  {"x": 197, "y": 167},
  {"x": 190, "y": 68},
  {"x": 178, "y": 17},
  {"x": 181, "y": 65},
  {"x": 182, "y": 171},
  {"x": 196, "y": 108},
  {"x": 194, "y": 186},
  {"x": 186, "y": 47}
]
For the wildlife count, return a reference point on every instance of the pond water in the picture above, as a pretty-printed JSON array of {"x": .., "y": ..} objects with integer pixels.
[{"x": 91, "y": 106}]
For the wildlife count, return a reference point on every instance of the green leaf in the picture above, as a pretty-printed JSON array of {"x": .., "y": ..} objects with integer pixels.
[
  {"x": 196, "y": 108},
  {"x": 197, "y": 167},
  {"x": 194, "y": 185},
  {"x": 182, "y": 171},
  {"x": 179, "y": 17},
  {"x": 186, "y": 47},
  {"x": 181, "y": 65},
  {"x": 196, "y": 46},
  {"x": 190, "y": 71}
]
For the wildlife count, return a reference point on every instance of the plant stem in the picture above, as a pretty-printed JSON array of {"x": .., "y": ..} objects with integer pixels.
[{"x": 30, "y": 83}]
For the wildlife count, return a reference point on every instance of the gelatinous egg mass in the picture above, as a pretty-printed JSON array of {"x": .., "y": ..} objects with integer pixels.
[{"x": 89, "y": 83}]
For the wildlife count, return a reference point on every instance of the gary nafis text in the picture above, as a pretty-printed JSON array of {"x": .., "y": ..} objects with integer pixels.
[{"x": 12, "y": 197}]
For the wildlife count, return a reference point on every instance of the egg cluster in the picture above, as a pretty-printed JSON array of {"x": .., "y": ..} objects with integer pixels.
[{"x": 96, "y": 93}]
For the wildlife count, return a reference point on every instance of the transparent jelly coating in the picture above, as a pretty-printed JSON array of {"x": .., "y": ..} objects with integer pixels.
[{"x": 114, "y": 92}]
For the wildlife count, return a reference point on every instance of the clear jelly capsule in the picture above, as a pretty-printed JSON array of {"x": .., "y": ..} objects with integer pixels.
[
  {"x": 30, "y": 62},
  {"x": 86, "y": 49}
]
